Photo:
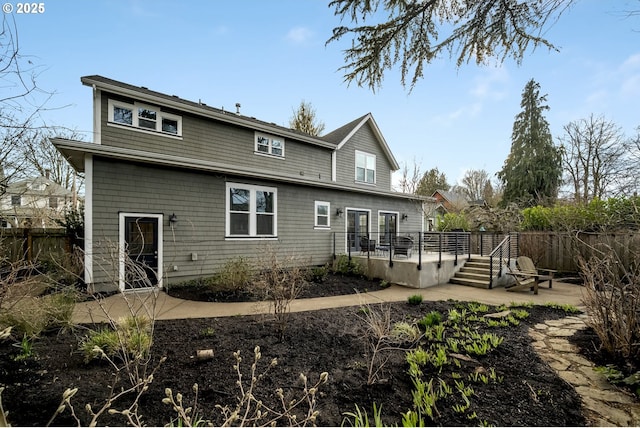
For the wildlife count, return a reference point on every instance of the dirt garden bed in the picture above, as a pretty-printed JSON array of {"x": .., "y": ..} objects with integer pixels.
[{"x": 521, "y": 389}]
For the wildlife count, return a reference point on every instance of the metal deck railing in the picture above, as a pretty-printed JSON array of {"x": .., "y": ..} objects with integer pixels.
[{"x": 405, "y": 245}]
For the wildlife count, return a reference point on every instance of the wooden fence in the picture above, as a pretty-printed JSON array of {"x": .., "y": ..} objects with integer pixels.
[
  {"x": 33, "y": 245},
  {"x": 561, "y": 251}
]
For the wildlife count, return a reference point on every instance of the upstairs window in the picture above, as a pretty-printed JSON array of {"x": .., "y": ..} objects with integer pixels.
[
  {"x": 269, "y": 145},
  {"x": 144, "y": 117},
  {"x": 53, "y": 202},
  {"x": 365, "y": 168},
  {"x": 16, "y": 200},
  {"x": 147, "y": 118}
]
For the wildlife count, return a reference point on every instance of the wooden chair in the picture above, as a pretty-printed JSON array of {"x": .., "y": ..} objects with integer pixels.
[
  {"x": 525, "y": 264},
  {"x": 523, "y": 281}
]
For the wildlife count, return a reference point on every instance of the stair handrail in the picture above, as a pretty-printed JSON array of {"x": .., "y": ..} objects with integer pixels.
[{"x": 508, "y": 247}]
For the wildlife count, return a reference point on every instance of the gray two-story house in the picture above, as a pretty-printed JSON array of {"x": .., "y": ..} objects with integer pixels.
[{"x": 184, "y": 187}]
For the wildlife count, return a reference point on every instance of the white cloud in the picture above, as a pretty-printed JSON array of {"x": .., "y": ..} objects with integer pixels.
[
  {"x": 299, "y": 35},
  {"x": 491, "y": 84},
  {"x": 631, "y": 64}
]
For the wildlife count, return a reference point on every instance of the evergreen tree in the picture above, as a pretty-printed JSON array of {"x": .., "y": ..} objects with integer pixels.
[
  {"x": 532, "y": 172},
  {"x": 431, "y": 181},
  {"x": 304, "y": 119}
]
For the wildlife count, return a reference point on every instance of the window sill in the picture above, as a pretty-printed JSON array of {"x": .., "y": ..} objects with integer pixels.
[
  {"x": 322, "y": 227},
  {"x": 250, "y": 238},
  {"x": 144, "y": 131},
  {"x": 365, "y": 183},
  {"x": 268, "y": 155}
]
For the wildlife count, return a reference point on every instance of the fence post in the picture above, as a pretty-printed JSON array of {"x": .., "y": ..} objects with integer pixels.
[
  {"x": 419, "y": 250},
  {"x": 334, "y": 245}
]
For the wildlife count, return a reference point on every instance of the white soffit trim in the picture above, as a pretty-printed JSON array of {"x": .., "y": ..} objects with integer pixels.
[{"x": 385, "y": 147}]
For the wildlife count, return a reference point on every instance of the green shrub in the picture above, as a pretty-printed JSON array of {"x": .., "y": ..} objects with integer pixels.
[
  {"x": 32, "y": 315},
  {"x": 235, "y": 274},
  {"x": 431, "y": 319},
  {"x": 416, "y": 299},
  {"x": 130, "y": 338},
  {"x": 104, "y": 340},
  {"x": 344, "y": 266},
  {"x": 318, "y": 273}
]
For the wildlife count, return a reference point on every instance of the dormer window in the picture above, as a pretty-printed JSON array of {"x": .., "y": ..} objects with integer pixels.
[
  {"x": 269, "y": 145},
  {"x": 144, "y": 117}
]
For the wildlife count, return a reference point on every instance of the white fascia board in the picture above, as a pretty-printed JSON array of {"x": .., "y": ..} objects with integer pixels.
[{"x": 383, "y": 143}]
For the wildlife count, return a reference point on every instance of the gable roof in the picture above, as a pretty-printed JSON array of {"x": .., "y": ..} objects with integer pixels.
[
  {"x": 453, "y": 198},
  {"x": 199, "y": 108},
  {"x": 340, "y": 136},
  {"x": 37, "y": 186}
]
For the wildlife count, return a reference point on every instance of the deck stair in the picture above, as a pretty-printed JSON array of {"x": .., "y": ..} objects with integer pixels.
[{"x": 474, "y": 273}]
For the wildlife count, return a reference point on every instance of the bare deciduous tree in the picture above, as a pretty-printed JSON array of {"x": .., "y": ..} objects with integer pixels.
[
  {"x": 21, "y": 103},
  {"x": 476, "y": 185},
  {"x": 594, "y": 157},
  {"x": 410, "y": 178},
  {"x": 43, "y": 159}
]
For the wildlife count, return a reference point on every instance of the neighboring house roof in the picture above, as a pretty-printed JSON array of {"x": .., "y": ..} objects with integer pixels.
[
  {"x": 452, "y": 197},
  {"x": 38, "y": 186},
  {"x": 343, "y": 134}
]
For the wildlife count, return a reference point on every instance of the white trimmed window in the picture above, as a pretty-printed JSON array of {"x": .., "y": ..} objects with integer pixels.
[
  {"x": 269, "y": 145},
  {"x": 144, "y": 117},
  {"x": 365, "y": 168},
  {"x": 322, "y": 218},
  {"x": 251, "y": 211}
]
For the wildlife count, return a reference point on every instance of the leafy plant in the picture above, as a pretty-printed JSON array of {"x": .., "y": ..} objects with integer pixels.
[
  {"x": 207, "y": 332},
  {"x": 235, "y": 274},
  {"x": 476, "y": 307},
  {"x": 26, "y": 349},
  {"x": 344, "y": 266},
  {"x": 415, "y": 299},
  {"x": 617, "y": 377},
  {"x": 318, "y": 273},
  {"x": 405, "y": 332},
  {"x": 432, "y": 318},
  {"x": 566, "y": 307},
  {"x": 520, "y": 314},
  {"x": 360, "y": 418},
  {"x": 131, "y": 338}
]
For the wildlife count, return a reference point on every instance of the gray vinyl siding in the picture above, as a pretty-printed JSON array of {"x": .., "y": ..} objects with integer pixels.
[
  {"x": 363, "y": 140},
  {"x": 208, "y": 140},
  {"x": 198, "y": 201}
]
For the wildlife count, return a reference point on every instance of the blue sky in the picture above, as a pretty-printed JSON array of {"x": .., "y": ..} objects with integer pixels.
[{"x": 270, "y": 55}]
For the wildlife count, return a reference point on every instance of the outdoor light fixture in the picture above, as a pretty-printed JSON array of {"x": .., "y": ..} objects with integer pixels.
[
  {"x": 404, "y": 216},
  {"x": 339, "y": 212},
  {"x": 173, "y": 219}
]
